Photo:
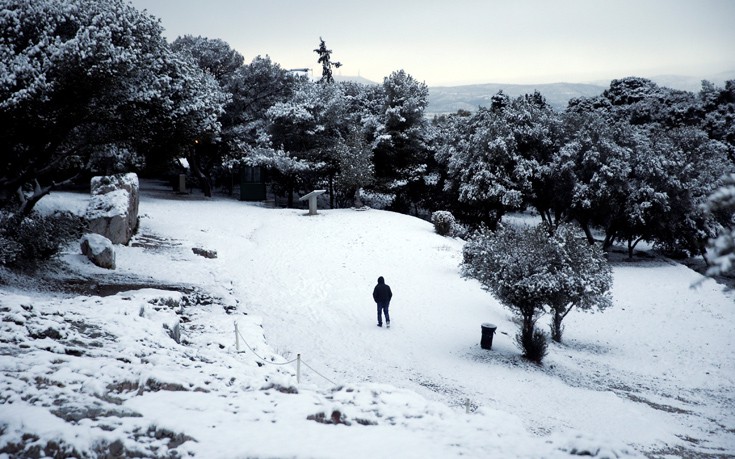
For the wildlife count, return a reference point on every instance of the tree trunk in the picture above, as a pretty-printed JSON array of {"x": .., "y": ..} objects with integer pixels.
[
  {"x": 587, "y": 232},
  {"x": 27, "y": 204},
  {"x": 609, "y": 238},
  {"x": 331, "y": 191},
  {"x": 289, "y": 191},
  {"x": 556, "y": 327},
  {"x": 632, "y": 245}
]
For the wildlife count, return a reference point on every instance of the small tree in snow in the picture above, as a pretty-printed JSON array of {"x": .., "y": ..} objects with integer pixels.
[
  {"x": 531, "y": 270},
  {"x": 508, "y": 265}
]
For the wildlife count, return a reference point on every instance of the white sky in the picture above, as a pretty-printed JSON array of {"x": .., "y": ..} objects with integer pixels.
[{"x": 445, "y": 42}]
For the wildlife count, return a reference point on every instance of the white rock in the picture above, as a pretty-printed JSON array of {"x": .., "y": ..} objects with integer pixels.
[{"x": 99, "y": 250}]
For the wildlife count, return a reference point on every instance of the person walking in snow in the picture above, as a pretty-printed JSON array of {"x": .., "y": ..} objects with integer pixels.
[{"x": 382, "y": 296}]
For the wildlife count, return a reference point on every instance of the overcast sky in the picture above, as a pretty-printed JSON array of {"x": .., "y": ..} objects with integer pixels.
[{"x": 444, "y": 42}]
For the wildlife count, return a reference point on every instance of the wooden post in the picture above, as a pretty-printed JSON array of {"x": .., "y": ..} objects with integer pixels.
[
  {"x": 467, "y": 406},
  {"x": 237, "y": 338},
  {"x": 298, "y": 368}
]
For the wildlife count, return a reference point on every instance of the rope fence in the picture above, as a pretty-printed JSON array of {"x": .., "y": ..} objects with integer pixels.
[{"x": 298, "y": 359}]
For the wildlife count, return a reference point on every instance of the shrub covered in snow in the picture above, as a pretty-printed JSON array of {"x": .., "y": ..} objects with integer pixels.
[
  {"x": 535, "y": 345},
  {"x": 35, "y": 238},
  {"x": 443, "y": 222}
]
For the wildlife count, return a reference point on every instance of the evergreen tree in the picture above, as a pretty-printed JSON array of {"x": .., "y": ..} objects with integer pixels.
[
  {"x": 399, "y": 140},
  {"x": 325, "y": 58}
]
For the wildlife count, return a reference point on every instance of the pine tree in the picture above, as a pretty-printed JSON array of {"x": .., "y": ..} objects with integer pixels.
[{"x": 325, "y": 58}]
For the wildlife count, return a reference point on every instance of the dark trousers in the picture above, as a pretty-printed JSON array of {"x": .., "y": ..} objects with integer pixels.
[{"x": 383, "y": 307}]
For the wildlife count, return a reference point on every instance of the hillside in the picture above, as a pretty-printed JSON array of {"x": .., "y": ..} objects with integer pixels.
[{"x": 652, "y": 376}]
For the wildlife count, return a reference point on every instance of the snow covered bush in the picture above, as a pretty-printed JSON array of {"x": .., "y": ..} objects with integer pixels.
[
  {"x": 534, "y": 270},
  {"x": 535, "y": 345},
  {"x": 27, "y": 241},
  {"x": 443, "y": 222}
]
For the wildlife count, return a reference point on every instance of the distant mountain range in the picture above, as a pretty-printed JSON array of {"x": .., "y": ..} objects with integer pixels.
[{"x": 449, "y": 99}]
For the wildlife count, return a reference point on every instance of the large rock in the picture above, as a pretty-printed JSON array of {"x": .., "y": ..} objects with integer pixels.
[
  {"x": 113, "y": 207},
  {"x": 99, "y": 250}
]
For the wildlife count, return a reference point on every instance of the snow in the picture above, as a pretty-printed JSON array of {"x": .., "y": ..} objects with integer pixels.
[
  {"x": 652, "y": 375},
  {"x": 109, "y": 204}
]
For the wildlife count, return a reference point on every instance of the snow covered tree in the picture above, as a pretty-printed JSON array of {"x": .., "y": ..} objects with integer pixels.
[
  {"x": 582, "y": 277},
  {"x": 721, "y": 250},
  {"x": 80, "y": 75},
  {"x": 718, "y": 106},
  {"x": 355, "y": 168},
  {"x": 286, "y": 170},
  {"x": 641, "y": 167},
  {"x": 399, "y": 141},
  {"x": 532, "y": 270},
  {"x": 324, "y": 126},
  {"x": 537, "y": 132},
  {"x": 480, "y": 166},
  {"x": 212, "y": 55},
  {"x": 509, "y": 264},
  {"x": 215, "y": 58},
  {"x": 499, "y": 159},
  {"x": 303, "y": 128},
  {"x": 254, "y": 88},
  {"x": 325, "y": 58}
]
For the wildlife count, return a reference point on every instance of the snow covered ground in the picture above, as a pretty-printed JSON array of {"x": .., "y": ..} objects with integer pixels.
[{"x": 653, "y": 375}]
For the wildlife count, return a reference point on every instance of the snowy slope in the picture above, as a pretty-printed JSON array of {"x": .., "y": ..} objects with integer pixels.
[{"x": 653, "y": 373}]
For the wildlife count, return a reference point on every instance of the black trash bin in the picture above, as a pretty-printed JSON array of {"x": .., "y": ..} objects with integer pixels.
[{"x": 488, "y": 330}]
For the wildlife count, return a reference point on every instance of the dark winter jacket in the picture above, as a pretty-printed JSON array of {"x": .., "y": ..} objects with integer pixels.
[{"x": 382, "y": 293}]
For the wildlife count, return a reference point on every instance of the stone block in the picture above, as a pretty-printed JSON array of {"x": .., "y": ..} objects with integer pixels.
[{"x": 99, "y": 250}]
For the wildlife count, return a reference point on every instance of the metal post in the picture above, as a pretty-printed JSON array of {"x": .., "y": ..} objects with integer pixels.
[
  {"x": 467, "y": 406},
  {"x": 237, "y": 338},
  {"x": 298, "y": 368}
]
